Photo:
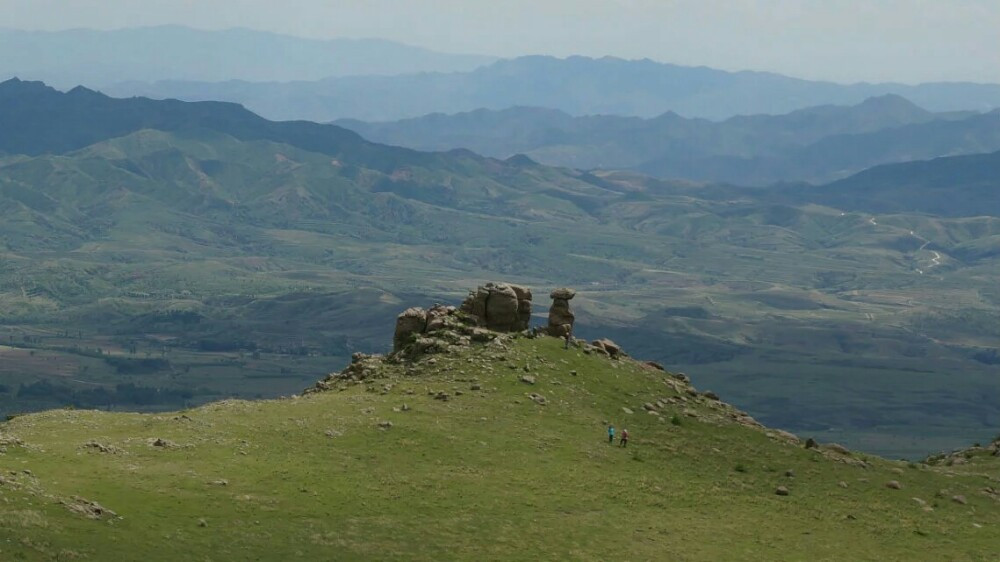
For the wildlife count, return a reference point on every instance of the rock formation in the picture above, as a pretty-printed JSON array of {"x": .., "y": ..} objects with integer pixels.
[
  {"x": 500, "y": 307},
  {"x": 411, "y": 321},
  {"x": 560, "y": 317}
]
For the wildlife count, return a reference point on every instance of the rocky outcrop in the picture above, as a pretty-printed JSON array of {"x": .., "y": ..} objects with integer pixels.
[
  {"x": 500, "y": 307},
  {"x": 411, "y": 322},
  {"x": 561, "y": 318}
]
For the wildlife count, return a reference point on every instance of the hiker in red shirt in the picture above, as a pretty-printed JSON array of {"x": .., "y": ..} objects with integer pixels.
[{"x": 624, "y": 437}]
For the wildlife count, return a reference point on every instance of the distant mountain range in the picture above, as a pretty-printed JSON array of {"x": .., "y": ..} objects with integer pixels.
[
  {"x": 815, "y": 144},
  {"x": 99, "y": 58},
  {"x": 575, "y": 85}
]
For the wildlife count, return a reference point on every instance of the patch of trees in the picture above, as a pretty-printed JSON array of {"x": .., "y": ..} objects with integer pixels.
[{"x": 126, "y": 366}]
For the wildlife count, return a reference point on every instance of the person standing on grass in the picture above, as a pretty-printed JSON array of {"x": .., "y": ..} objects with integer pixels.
[
  {"x": 624, "y": 437},
  {"x": 611, "y": 435}
]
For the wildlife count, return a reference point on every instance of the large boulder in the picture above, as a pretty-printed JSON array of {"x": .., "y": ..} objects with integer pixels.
[
  {"x": 561, "y": 318},
  {"x": 500, "y": 307},
  {"x": 413, "y": 321}
]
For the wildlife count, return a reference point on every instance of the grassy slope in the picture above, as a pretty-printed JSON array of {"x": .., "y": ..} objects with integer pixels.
[{"x": 488, "y": 474}]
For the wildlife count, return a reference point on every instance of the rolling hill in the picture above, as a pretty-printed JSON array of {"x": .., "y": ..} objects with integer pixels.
[
  {"x": 575, "y": 85},
  {"x": 192, "y": 259}
]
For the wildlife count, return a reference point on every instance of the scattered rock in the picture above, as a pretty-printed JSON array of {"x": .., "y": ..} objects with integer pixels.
[
  {"x": 528, "y": 379},
  {"x": 101, "y": 448},
  {"x": 475, "y": 386},
  {"x": 710, "y": 395},
  {"x": 842, "y": 484},
  {"x": 790, "y": 473},
  {"x": 537, "y": 399},
  {"x": 385, "y": 424},
  {"x": 649, "y": 406},
  {"x": 959, "y": 499},
  {"x": 811, "y": 443},
  {"x": 607, "y": 346},
  {"x": 202, "y": 523},
  {"x": 627, "y": 410},
  {"x": 781, "y": 491},
  {"x": 87, "y": 508},
  {"x": 837, "y": 448},
  {"x": 894, "y": 485},
  {"x": 654, "y": 365},
  {"x": 220, "y": 482},
  {"x": 162, "y": 443}
]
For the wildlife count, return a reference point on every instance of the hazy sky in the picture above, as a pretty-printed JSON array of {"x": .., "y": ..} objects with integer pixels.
[{"x": 842, "y": 40}]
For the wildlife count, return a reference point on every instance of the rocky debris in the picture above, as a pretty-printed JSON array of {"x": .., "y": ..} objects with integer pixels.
[
  {"x": 161, "y": 443},
  {"x": 442, "y": 396},
  {"x": 811, "y": 443},
  {"x": 782, "y": 435},
  {"x": 654, "y": 365},
  {"x": 711, "y": 395},
  {"x": 608, "y": 347},
  {"x": 202, "y": 522},
  {"x": 101, "y": 448},
  {"x": 383, "y": 425},
  {"x": 959, "y": 499},
  {"x": 894, "y": 485},
  {"x": 537, "y": 398},
  {"x": 842, "y": 484},
  {"x": 837, "y": 448},
  {"x": 87, "y": 508},
  {"x": 745, "y": 419},
  {"x": 561, "y": 318},
  {"x": 649, "y": 406},
  {"x": 219, "y": 482},
  {"x": 789, "y": 473},
  {"x": 9, "y": 441},
  {"x": 781, "y": 491},
  {"x": 627, "y": 410},
  {"x": 363, "y": 367},
  {"x": 682, "y": 377},
  {"x": 528, "y": 379},
  {"x": 962, "y": 456},
  {"x": 501, "y": 307}
]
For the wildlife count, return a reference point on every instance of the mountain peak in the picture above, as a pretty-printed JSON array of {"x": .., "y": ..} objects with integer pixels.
[{"x": 890, "y": 101}]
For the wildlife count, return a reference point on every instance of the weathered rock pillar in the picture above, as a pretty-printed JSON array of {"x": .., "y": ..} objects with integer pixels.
[{"x": 560, "y": 317}]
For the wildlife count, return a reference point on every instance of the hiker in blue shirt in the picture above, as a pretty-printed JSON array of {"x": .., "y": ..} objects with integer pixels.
[{"x": 611, "y": 435}]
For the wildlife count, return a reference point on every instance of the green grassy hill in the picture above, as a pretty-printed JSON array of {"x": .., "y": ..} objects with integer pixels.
[{"x": 382, "y": 468}]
